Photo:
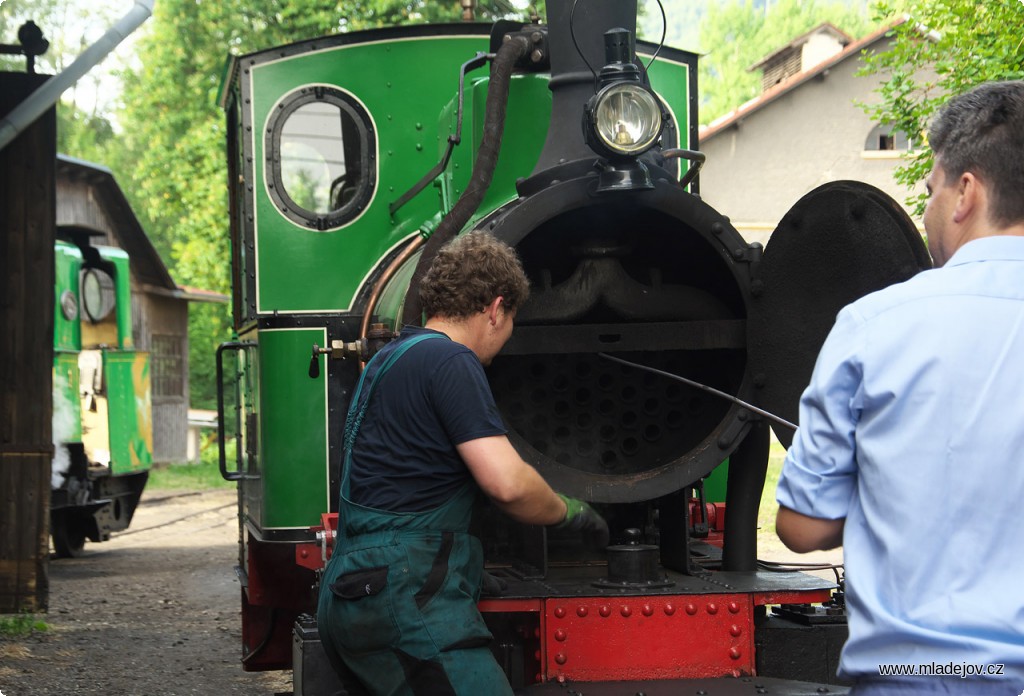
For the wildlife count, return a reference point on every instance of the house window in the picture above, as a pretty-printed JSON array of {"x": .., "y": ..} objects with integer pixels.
[
  {"x": 168, "y": 366},
  {"x": 321, "y": 157},
  {"x": 886, "y": 138}
]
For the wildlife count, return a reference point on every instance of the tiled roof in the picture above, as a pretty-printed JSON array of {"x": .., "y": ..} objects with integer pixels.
[{"x": 767, "y": 97}]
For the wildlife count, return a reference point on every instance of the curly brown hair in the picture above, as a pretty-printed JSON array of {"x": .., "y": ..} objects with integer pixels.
[{"x": 468, "y": 273}]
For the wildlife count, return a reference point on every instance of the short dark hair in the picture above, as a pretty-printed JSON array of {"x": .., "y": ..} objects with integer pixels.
[
  {"x": 468, "y": 273},
  {"x": 982, "y": 132}
]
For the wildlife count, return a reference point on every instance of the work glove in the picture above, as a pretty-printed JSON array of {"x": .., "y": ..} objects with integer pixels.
[{"x": 580, "y": 517}]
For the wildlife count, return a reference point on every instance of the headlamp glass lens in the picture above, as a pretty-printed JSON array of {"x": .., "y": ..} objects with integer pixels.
[{"x": 627, "y": 118}]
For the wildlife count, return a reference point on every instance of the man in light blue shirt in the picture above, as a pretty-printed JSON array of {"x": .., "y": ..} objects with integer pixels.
[{"x": 910, "y": 451}]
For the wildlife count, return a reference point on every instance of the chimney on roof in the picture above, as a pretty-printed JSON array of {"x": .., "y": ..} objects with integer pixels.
[{"x": 800, "y": 54}]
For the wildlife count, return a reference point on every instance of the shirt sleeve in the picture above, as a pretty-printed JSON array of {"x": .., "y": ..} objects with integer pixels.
[
  {"x": 819, "y": 475},
  {"x": 464, "y": 401}
]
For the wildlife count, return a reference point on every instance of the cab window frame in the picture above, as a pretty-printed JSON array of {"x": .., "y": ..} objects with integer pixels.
[{"x": 358, "y": 141}]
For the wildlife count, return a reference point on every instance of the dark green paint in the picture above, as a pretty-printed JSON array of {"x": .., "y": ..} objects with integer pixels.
[
  {"x": 67, "y": 333},
  {"x": 293, "y": 430},
  {"x": 421, "y": 77},
  {"x": 123, "y": 294}
]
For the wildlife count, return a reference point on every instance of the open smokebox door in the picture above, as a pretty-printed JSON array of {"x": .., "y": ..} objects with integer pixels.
[
  {"x": 840, "y": 242},
  {"x": 661, "y": 279}
]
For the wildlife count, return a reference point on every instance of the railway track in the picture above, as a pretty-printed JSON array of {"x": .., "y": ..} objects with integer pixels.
[{"x": 171, "y": 498}]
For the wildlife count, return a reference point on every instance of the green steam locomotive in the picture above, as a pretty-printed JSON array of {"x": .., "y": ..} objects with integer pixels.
[{"x": 353, "y": 157}]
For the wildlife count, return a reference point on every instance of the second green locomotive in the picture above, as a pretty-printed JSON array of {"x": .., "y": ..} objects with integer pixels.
[{"x": 102, "y": 413}]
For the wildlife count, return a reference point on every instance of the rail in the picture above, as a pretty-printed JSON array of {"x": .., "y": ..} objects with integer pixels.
[{"x": 237, "y": 474}]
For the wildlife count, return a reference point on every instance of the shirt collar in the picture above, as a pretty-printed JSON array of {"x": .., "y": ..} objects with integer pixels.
[{"x": 1002, "y": 247}]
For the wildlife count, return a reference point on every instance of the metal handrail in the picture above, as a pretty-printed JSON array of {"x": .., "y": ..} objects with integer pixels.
[{"x": 237, "y": 474}]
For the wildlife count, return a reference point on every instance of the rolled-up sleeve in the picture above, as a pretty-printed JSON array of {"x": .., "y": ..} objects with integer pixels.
[{"x": 819, "y": 475}]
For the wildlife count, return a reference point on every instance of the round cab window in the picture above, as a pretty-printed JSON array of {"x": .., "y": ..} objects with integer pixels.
[
  {"x": 321, "y": 158},
  {"x": 97, "y": 294}
]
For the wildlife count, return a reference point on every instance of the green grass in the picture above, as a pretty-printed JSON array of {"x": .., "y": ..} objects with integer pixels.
[
  {"x": 18, "y": 625},
  {"x": 200, "y": 476},
  {"x": 766, "y": 513}
]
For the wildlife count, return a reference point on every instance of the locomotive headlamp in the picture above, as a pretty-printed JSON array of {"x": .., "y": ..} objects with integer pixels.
[
  {"x": 97, "y": 294},
  {"x": 626, "y": 118}
]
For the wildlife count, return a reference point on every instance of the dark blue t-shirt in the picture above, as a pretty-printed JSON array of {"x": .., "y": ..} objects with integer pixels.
[{"x": 433, "y": 398}]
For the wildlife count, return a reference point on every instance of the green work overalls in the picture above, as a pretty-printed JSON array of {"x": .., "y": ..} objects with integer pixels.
[{"x": 398, "y": 597}]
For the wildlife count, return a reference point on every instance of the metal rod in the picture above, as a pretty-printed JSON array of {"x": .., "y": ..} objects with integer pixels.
[{"x": 760, "y": 411}]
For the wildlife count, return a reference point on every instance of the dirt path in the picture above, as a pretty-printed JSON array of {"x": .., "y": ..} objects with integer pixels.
[{"x": 152, "y": 612}]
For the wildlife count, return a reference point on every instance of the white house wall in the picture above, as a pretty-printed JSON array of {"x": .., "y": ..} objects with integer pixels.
[{"x": 815, "y": 133}]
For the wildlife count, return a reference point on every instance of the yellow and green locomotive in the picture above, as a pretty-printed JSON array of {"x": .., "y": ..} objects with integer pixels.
[
  {"x": 102, "y": 414},
  {"x": 353, "y": 157}
]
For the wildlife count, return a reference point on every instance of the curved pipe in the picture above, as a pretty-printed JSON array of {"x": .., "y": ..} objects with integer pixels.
[
  {"x": 378, "y": 287},
  {"x": 483, "y": 170},
  {"x": 696, "y": 159}
]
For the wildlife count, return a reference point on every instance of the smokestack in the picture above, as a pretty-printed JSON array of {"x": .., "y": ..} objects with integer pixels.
[{"x": 572, "y": 80}]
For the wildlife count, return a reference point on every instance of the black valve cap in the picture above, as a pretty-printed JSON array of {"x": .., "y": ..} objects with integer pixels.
[{"x": 314, "y": 363}]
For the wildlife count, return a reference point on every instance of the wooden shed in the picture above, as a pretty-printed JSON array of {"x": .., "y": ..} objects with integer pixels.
[{"x": 89, "y": 201}]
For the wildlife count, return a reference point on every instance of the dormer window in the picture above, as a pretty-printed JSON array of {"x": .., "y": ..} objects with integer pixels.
[{"x": 801, "y": 54}]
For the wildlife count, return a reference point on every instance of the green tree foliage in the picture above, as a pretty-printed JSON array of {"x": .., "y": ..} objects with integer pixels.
[
  {"x": 83, "y": 127},
  {"x": 173, "y": 162},
  {"x": 84, "y": 135},
  {"x": 944, "y": 48},
  {"x": 46, "y": 15},
  {"x": 681, "y": 23},
  {"x": 168, "y": 151},
  {"x": 173, "y": 147},
  {"x": 737, "y": 34}
]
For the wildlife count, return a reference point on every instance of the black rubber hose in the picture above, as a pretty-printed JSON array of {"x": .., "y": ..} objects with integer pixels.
[{"x": 483, "y": 170}]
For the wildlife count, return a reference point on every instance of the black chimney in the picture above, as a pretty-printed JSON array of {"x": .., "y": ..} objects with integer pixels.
[{"x": 573, "y": 77}]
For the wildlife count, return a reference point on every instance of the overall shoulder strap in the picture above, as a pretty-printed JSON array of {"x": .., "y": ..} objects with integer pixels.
[{"x": 357, "y": 408}]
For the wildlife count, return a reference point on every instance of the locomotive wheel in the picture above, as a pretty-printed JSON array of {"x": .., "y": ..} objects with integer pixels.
[{"x": 68, "y": 536}]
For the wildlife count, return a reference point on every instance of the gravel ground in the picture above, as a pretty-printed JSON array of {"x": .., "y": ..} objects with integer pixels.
[{"x": 152, "y": 612}]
